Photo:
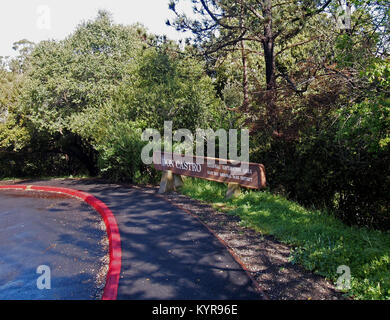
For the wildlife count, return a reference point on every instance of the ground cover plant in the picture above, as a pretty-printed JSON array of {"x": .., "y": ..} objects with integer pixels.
[{"x": 320, "y": 242}]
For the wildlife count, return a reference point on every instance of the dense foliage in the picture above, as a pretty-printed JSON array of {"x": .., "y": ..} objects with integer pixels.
[
  {"x": 310, "y": 79},
  {"x": 314, "y": 92},
  {"x": 314, "y": 89}
]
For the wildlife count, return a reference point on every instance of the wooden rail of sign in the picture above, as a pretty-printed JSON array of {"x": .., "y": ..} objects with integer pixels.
[{"x": 221, "y": 170}]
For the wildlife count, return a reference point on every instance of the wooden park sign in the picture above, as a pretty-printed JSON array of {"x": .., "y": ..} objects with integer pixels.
[{"x": 221, "y": 170}]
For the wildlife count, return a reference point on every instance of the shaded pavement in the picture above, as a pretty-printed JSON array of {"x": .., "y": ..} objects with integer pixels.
[
  {"x": 59, "y": 232},
  {"x": 166, "y": 253}
]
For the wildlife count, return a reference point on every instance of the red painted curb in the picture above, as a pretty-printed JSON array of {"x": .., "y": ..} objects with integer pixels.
[{"x": 114, "y": 269}]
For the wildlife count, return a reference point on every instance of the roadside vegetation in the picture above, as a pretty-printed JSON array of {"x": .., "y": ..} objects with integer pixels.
[
  {"x": 13, "y": 179},
  {"x": 311, "y": 84},
  {"x": 320, "y": 242}
]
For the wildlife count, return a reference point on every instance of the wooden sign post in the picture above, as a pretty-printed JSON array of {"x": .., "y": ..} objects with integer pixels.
[{"x": 221, "y": 170}]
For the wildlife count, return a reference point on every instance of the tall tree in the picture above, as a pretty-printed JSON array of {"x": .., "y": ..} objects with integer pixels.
[
  {"x": 279, "y": 31},
  {"x": 69, "y": 77},
  {"x": 272, "y": 25},
  {"x": 223, "y": 24}
]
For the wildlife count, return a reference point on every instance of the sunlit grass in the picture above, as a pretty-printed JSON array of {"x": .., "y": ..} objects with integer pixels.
[{"x": 320, "y": 241}]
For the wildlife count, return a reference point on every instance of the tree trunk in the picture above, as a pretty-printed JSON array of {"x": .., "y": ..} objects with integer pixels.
[
  {"x": 268, "y": 46},
  {"x": 244, "y": 64},
  {"x": 269, "y": 58}
]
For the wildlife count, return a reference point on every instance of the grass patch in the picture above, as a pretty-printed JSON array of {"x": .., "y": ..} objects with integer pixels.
[
  {"x": 78, "y": 176},
  {"x": 321, "y": 243}
]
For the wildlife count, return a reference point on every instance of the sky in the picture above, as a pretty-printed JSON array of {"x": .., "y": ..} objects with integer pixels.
[{"x": 38, "y": 20}]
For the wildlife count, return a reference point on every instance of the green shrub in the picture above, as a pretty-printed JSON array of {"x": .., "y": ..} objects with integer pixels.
[
  {"x": 120, "y": 153},
  {"x": 324, "y": 171}
]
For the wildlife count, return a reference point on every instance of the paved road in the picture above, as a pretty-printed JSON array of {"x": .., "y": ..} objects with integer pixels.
[
  {"x": 166, "y": 253},
  {"x": 53, "y": 230}
]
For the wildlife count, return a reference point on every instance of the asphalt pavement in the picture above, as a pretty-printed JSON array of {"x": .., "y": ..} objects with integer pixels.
[
  {"x": 166, "y": 253},
  {"x": 63, "y": 235}
]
